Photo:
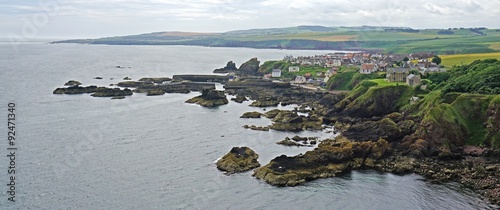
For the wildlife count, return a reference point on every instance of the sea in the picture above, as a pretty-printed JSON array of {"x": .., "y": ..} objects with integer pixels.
[{"x": 157, "y": 152}]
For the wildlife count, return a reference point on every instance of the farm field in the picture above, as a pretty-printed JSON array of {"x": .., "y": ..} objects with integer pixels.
[{"x": 460, "y": 59}]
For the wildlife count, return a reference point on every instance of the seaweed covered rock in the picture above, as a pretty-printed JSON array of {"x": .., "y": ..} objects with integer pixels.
[
  {"x": 75, "y": 90},
  {"x": 157, "y": 80},
  {"x": 239, "y": 99},
  {"x": 266, "y": 102},
  {"x": 368, "y": 130},
  {"x": 330, "y": 159},
  {"x": 239, "y": 159},
  {"x": 251, "y": 115},
  {"x": 256, "y": 128},
  {"x": 72, "y": 83},
  {"x": 285, "y": 120},
  {"x": 155, "y": 92},
  {"x": 111, "y": 92},
  {"x": 210, "y": 98}
]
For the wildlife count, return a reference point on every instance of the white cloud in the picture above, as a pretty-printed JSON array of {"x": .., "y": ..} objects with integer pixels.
[{"x": 142, "y": 16}]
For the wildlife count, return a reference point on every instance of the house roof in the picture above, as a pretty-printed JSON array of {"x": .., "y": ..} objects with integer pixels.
[
  {"x": 410, "y": 76},
  {"x": 367, "y": 66},
  {"x": 393, "y": 70},
  {"x": 276, "y": 70}
]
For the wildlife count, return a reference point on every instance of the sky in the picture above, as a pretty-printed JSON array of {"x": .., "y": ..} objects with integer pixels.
[{"x": 32, "y": 19}]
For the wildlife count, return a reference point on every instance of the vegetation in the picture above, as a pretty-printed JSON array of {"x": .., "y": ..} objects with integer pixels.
[
  {"x": 478, "y": 77},
  {"x": 389, "y": 39},
  {"x": 349, "y": 77},
  {"x": 465, "y": 59},
  {"x": 462, "y": 108}
]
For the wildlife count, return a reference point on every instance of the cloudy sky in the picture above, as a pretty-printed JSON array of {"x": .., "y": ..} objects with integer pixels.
[{"x": 98, "y": 18}]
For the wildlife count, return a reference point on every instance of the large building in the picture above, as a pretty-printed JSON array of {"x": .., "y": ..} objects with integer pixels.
[{"x": 397, "y": 74}]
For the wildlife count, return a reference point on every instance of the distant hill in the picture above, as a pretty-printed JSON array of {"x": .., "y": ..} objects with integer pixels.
[{"x": 372, "y": 38}]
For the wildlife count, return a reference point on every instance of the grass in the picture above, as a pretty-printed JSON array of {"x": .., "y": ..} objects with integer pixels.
[
  {"x": 383, "y": 82},
  {"x": 462, "y": 59}
]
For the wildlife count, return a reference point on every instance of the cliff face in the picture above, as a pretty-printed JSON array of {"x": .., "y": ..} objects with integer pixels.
[
  {"x": 455, "y": 120},
  {"x": 368, "y": 100}
]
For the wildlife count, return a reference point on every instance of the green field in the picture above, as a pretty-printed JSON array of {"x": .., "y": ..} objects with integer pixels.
[
  {"x": 383, "y": 82},
  {"x": 387, "y": 39},
  {"x": 461, "y": 59}
]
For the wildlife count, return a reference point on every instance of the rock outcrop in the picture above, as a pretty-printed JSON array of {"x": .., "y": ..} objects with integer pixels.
[
  {"x": 239, "y": 159},
  {"x": 285, "y": 120},
  {"x": 210, "y": 98},
  {"x": 251, "y": 115},
  {"x": 250, "y": 67},
  {"x": 111, "y": 92},
  {"x": 239, "y": 99},
  {"x": 330, "y": 159},
  {"x": 72, "y": 83},
  {"x": 75, "y": 90},
  {"x": 230, "y": 67}
]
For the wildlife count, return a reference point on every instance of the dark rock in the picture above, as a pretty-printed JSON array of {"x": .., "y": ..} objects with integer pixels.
[
  {"x": 239, "y": 159},
  {"x": 328, "y": 160},
  {"x": 288, "y": 142},
  {"x": 157, "y": 80},
  {"x": 97, "y": 77},
  {"x": 127, "y": 78},
  {"x": 230, "y": 66},
  {"x": 118, "y": 97},
  {"x": 155, "y": 92},
  {"x": 210, "y": 98},
  {"x": 111, "y": 92},
  {"x": 239, "y": 99},
  {"x": 373, "y": 130},
  {"x": 251, "y": 115},
  {"x": 72, "y": 83},
  {"x": 250, "y": 67},
  {"x": 76, "y": 90}
]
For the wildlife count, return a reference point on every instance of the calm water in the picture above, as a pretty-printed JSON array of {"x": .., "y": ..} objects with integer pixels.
[{"x": 80, "y": 152}]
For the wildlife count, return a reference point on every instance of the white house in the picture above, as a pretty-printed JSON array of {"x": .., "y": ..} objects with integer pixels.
[
  {"x": 367, "y": 68},
  {"x": 300, "y": 79},
  {"x": 293, "y": 68},
  {"x": 276, "y": 73},
  {"x": 337, "y": 63},
  {"x": 326, "y": 79}
]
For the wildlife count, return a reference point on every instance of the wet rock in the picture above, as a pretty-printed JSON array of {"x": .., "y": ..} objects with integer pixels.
[
  {"x": 239, "y": 159},
  {"x": 118, "y": 97},
  {"x": 251, "y": 115},
  {"x": 230, "y": 66},
  {"x": 155, "y": 92},
  {"x": 97, "y": 77},
  {"x": 111, "y": 92},
  {"x": 328, "y": 160},
  {"x": 210, "y": 98},
  {"x": 72, "y": 83},
  {"x": 75, "y": 90},
  {"x": 239, "y": 99},
  {"x": 157, "y": 80},
  {"x": 127, "y": 78}
]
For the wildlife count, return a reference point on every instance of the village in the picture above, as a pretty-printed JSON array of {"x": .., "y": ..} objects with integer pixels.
[{"x": 316, "y": 71}]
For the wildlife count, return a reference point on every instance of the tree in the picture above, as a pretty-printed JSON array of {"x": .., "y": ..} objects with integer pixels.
[
  {"x": 406, "y": 59},
  {"x": 436, "y": 59}
]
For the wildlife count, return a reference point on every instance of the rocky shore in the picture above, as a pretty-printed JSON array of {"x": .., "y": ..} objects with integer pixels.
[{"x": 380, "y": 131}]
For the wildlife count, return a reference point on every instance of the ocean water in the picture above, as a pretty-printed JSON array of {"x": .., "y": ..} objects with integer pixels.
[{"x": 80, "y": 152}]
